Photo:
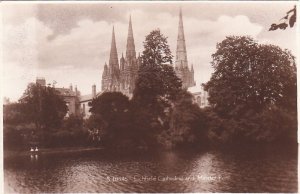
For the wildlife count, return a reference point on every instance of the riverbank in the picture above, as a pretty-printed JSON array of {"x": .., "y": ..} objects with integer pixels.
[{"x": 11, "y": 153}]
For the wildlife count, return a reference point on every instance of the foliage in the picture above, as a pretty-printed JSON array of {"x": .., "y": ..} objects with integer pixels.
[
  {"x": 110, "y": 117},
  {"x": 12, "y": 114},
  {"x": 186, "y": 123},
  {"x": 44, "y": 106},
  {"x": 249, "y": 75},
  {"x": 156, "y": 84},
  {"x": 16, "y": 136},
  {"x": 110, "y": 105},
  {"x": 286, "y": 19},
  {"x": 156, "y": 79},
  {"x": 253, "y": 94},
  {"x": 272, "y": 125},
  {"x": 156, "y": 88},
  {"x": 73, "y": 121},
  {"x": 66, "y": 137},
  {"x": 97, "y": 128},
  {"x": 39, "y": 120},
  {"x": 156, "y": 49}
]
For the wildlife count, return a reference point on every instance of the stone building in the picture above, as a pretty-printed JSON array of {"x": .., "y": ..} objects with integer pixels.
[
  {"x": 121, "y": 77},
  {"x": 85, "y": 101},
  {"x": 200, "y": 96},
  {"x": 71, "y": 97}
]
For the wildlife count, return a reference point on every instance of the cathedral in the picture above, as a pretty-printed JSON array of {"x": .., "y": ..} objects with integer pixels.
[{"x": 120, "y": 75}]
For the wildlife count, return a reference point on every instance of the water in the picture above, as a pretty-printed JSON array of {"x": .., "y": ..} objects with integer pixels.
[{"x": 212, "y": 171}]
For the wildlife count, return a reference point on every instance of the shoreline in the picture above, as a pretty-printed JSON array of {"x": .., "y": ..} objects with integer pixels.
[{"x": 11, "y": 153}]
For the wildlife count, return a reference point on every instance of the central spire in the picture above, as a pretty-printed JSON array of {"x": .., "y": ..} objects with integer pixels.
[
  {"x": 181, "y": 56},
  {"x": 113, "y": 58},
  {"x": 130, "y": 48}
]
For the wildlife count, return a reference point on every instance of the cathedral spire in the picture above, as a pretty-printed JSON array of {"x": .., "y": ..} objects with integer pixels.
[
  {"x": 130, "y": 48},
  {"x": 113, "y": 58},
  {"x": 181, "y": 56}
]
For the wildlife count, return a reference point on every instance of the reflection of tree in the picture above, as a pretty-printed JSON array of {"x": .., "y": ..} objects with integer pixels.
[{"x": 290, "y": 18}]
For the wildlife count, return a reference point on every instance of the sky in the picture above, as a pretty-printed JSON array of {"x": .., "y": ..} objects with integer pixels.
[{"x": 69, "y": 43}]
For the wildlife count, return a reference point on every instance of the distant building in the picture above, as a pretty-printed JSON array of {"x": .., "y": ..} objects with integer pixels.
[
  {"x": 71, "y": 97},
  {"x": 85, "y": 101},
  {"x": 200, "y": 96}
]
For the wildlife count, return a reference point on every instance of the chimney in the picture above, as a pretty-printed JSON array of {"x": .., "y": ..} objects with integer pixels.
[
  {"x": 94, "y": 91},
  {"x": 76, "y": 90},
  {"x": 41, "y": 81},
  {"x": 71, "y": 87}
]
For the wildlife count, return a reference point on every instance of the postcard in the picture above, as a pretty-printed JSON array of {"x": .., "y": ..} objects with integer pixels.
[{"x": 150, "y": 96}]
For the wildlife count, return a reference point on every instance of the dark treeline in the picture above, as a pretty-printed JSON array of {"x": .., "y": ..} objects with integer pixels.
[
  {"x": 252, "y": 96},
  {"x": 39, "y": 120}
]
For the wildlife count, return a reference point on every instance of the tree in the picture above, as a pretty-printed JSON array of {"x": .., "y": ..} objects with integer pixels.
[
  {"x": 157, "y": 79},
  {"x": 156, "y": 88},
  {"x": 186, "y": 123},
  {"x": 253, "y": 92},
  {"x": 156, "y": 49},
  {"x": 43, "y": 106},
  {"x": 12, "y": 114},
  {"x": 110, "y": 105},
  {"x": 248, "y": 75},
  {"x": 111, "y": 117}
]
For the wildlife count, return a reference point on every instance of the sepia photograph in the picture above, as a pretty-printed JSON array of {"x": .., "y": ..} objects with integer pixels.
[{"x": 149, "y": 96}]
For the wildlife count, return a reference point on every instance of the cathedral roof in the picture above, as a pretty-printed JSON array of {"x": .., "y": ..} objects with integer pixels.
[{"x": 88, "y": 97}]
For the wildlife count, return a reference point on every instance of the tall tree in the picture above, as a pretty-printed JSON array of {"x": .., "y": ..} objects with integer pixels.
[
  {"x": 253, "y": 93},
  {"x": 156, "y": 87},
  {"x": 156, "y": 49},
  {"x": 156, "y": 78}
]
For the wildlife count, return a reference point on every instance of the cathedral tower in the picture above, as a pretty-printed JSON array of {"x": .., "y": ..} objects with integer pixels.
[
  {"x": 181, "y": 64},
  {"x": 121, "y": 78},
  {"x": 130, "y": 47},
  {"x": 111, "y": 74},
  {"x": 129, "y": 64}
]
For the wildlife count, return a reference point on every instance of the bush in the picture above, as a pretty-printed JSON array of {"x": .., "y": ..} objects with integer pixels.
[{"x": 272, "y": 125}]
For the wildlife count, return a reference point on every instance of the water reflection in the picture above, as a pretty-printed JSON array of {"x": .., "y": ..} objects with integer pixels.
[{"x": 166, "y": 172}]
